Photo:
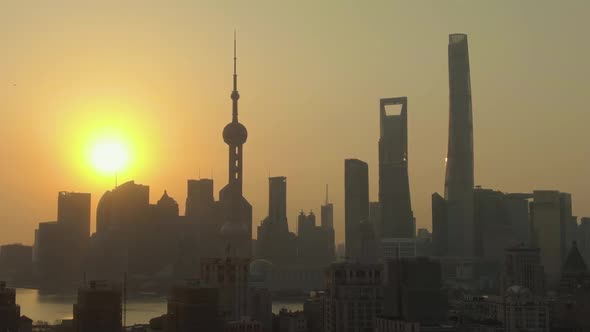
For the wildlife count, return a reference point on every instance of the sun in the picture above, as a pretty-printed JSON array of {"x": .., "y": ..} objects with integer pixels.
[{"x": 109, "y": 155}]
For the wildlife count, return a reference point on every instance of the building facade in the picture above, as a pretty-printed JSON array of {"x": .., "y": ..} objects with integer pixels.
[
  {"x": 98, "y": 308},
  {"x": 230, "y": 276},
  {"x": 354, "y": 297},
  {"x": 522, "y": 266}
]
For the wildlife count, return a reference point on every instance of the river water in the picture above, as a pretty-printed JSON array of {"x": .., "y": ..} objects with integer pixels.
[{"x": 140, "y": 310}]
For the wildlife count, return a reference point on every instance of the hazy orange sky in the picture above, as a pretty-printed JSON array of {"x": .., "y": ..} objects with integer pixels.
[{"x": 310, "y": 77}]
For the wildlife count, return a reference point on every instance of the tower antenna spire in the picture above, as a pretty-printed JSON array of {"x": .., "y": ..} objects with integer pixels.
[
  {"x": 235, "y": 95},
  {"x": 327, "y": 200},
  {"x": 235, "y": 63}
]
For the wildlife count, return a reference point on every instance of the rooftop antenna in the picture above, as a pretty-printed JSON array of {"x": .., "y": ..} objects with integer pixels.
[{"x": 327, "y": 201}]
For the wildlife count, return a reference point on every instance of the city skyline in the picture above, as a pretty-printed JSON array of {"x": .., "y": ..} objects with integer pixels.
[{"x": 310, "y": 165}]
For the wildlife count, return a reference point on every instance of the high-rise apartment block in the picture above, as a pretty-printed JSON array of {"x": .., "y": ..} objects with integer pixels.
[{"x": 354, "y": 297}]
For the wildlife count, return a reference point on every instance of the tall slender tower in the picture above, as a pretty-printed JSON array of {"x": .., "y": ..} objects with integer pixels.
[
  {"x": 397, "y": 218},
  {"x": 356, "y": 204},
  {"x": 236, "y": 211},
  {"x": 327, "y": 213},
  {"x": 459, "y": 180}
]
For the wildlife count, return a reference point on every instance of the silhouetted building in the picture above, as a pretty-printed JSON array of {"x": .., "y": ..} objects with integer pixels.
[
  {"x": 517, "y": 310},
  {"x": 394, "y": 248},
  {"x": 569, "y": 223},
  {"x": 459, "y": 180},
  {"x": 313, "y": 310},
  {"x": 51, "y": 269},
  {"x": 61, "y": 246},
  {"x": 230, "y": 276},
  {"x": 274, "y": 241},
  {"x": 16, "y": 262},
  {"x": 356, "y": 202},
  {"x": 9, "y": 310},
  {"x": 549, "y": 215},
  {"x": 292, "y": 321},
  {"x": 424, "y": 233},
  {"x": 414, "y": 290},
  {"x": 440, "y": 229},
  {"x": 73, "y": 209},
  {"x": 261, "y": 307},
  {"x": 236, "y": 213},
  {"x": 277, "y": 201},
  {"x": 571, "y": 306},
  {"x": 200, "y": 200},
  {"x": 354, "y": 297},
  {"x": 397, "y": 218},
  {"x": 167, "y": 209},
  {"x": 501, "y": 221},
  {"x": 584, "y": 238},
  {"x": 522, "y": 266},
  {"x": 122, "y": 208},
  {"x": 340, "y": 251},
  {"x": 575, "y": 273},
  {"x": 193, "y": 307},
  {"x": 375, "y": 218},
  {"x": 368, "y": 243},
  {"x": 327, "y": 213},
  {"x": 315, "y": 244},
  {"x": 98, "y": 308}
]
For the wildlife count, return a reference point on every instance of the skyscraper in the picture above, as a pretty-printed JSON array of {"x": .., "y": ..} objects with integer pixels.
[
  {"x": 73, "y": 209},
  {"x": 98, "y": 308},
  {"x": 584, "y": 238},
  {"x": 199, "y": 200},
  {"x": 277, "y": 201},
  {"x": 327, "y": 213},
  {"x": 236, "y": 211},
  {"x": 356, "y": 202},
  {"x": 274, "y": 242},
  {"x": 397, "y": 218},
  {"x": 547, "y": 224},
  {"x": 459, "y": 180}
]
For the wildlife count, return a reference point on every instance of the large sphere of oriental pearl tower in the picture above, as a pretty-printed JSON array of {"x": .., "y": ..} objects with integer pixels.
[{"x": 235, "y": 134}]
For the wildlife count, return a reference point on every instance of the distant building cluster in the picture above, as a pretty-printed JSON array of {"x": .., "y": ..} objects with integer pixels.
[{"x": 493, "y": 261}]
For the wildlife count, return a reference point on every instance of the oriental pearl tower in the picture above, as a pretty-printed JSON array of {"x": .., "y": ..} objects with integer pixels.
[{"x": 236, "y": 229}]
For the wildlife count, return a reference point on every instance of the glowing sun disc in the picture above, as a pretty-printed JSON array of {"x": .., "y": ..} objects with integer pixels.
[{"x": 109, "y": 156}]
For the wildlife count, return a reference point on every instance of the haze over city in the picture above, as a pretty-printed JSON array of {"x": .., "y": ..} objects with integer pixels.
[{"x": 311, "y": 75}]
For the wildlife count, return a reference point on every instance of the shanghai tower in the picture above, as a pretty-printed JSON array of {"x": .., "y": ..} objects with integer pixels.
[
  {"x": 459, "y": 180},
  {"x": 397, "y": 218}
]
